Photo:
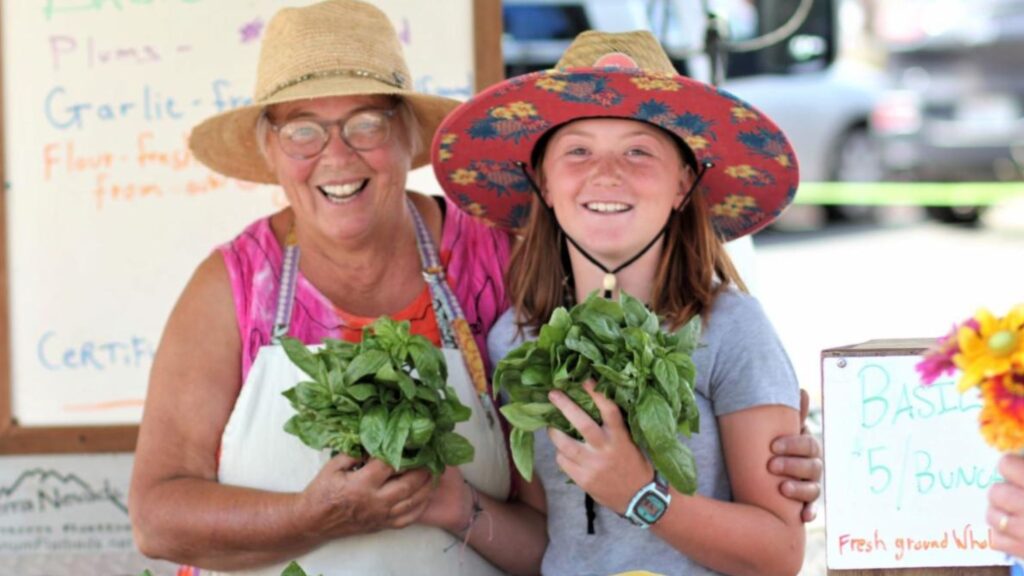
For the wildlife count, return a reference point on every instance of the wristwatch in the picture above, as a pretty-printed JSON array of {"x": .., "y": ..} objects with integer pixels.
[{"x": 649, "y": 504}]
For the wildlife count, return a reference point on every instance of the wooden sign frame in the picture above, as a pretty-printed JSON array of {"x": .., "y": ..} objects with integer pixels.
[{"x": 17, "y": 439}]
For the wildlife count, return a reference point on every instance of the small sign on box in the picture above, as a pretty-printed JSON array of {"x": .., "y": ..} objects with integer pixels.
[{"x": 907, "y": 474}]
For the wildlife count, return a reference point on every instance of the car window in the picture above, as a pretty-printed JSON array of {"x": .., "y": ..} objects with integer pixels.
[{"x": 544, "y": 21}]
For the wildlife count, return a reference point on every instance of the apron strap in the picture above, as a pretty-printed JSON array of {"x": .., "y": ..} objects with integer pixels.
[
  {"x": 286, "y": 288},
  {"x": 450, "y": 318}
]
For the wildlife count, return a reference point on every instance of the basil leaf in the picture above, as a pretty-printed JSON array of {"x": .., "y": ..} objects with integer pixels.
[
  {"x": 395, "y": 434},
  {"x": 427, "y": 395},
  {"x": 420, "y": 432},
  {"x": 460, "y": 412},
  {"x": 521, "y": 416},
  {"x": 536, "y": 376},
  {"x": 429, "y": 362},
  {"x": 361, "y": 392},
  {"x": 553, "y": 333},
  {"x": 522, "y": 452},
  {"x": 293, "y": 569},
  {"x": 454, "y": 449},
  {"x": 369, "y": 362},
  {"x": 634, "y": 310},
  {"x": 689, "y": 335},
  {"x": 373, "y": 428},
  {"x": 313, "y": 395},
  {"x": 577, "y": 342},
  {"x": 675, "y": 463},
  {"x": 300, "y": 355},
  {"x": 656, "y": 421},
  {"x": 407, "y": 385}
]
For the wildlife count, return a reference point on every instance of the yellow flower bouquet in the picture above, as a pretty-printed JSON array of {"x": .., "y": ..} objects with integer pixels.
[{"x": 989, "y": 352}]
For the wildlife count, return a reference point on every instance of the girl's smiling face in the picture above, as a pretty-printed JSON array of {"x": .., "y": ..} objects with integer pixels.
[{"x": 613, "y": 183}]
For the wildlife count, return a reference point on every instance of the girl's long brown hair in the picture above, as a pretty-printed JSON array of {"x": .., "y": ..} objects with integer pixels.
[{"x": 693, "y": 270}]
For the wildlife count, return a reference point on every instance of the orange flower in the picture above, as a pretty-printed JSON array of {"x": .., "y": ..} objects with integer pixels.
[{"x": 1002, "y": 412}]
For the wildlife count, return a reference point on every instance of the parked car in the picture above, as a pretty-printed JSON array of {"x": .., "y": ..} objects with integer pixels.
[{"x": 956, "y": 109}]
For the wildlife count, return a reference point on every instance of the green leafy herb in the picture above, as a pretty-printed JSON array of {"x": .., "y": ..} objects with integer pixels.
[
  {"x": 645, "y": 370},
  {"x": 293, "y": 569},
  {"x": 384, "y": 397}
]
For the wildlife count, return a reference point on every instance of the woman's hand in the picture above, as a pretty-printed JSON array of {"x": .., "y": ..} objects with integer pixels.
[
  {"x": 1006, "y": 507},
  {"x": 607, "y": 464},
  {"x": 799, "y": 459},
  {"x": 346, "y": 499}
]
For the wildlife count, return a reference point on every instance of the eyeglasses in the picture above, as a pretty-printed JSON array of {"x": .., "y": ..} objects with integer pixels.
[{"x": 364, "y": 130}]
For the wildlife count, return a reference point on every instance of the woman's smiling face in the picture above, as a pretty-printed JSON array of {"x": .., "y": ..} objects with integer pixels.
[
  {"x": 340, "y": 192},
  {"x": 613, "y": 183}
]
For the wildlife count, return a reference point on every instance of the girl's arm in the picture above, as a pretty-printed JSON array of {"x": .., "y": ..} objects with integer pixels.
[
  {"x": 510, "y": 534},
  {"x": 760, "y": 533}
]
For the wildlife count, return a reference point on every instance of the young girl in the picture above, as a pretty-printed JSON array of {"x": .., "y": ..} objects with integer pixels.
[{"x": 638, "y": 176}]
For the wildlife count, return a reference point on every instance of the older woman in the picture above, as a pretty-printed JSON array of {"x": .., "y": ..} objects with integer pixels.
[{"x": 217, "y": 483}]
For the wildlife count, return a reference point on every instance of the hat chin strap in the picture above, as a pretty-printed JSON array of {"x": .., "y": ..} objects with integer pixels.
[{"x": 610, "y": 281}]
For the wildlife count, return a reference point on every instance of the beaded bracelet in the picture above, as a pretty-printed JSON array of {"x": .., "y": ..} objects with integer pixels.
[{"x": 474, "y": 514}]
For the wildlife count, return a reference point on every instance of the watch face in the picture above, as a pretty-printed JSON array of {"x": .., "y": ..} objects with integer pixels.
[{"x": 650, "y": 507}]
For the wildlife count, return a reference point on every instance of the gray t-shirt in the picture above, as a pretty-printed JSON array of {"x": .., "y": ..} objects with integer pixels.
[{"x": 740, "y": 364}]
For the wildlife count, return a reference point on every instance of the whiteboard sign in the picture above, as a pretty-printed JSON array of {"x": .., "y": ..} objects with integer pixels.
[
  {"x": 907, "y": 472},
  {"x": 108, "y": 212}
]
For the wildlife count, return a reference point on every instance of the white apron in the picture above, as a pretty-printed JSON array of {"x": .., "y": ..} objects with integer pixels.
[{"x": 256, "y": 452}]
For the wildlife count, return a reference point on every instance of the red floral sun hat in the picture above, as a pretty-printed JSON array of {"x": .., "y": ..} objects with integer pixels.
[{"x": 481, "y": 148}]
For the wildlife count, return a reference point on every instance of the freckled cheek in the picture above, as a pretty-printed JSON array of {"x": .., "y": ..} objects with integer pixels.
[
  {"x": 388, "y": 164},
  {"x": 294, "y": 170}
]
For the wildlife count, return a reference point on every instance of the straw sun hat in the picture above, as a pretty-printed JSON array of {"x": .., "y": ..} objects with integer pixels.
[
  {"x": 481, "y": 149},
  {"x": 333, "y": 48}
]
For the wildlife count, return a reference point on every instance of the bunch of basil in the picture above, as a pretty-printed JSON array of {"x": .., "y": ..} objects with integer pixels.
[
  {"x": 645, "y": 370},
  {"x": 385, "y": 397}
]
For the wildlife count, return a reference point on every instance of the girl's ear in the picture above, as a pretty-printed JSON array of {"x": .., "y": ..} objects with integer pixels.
[
  {"x": 544, "y": 189},
  {"x": 686, "y": 178}
]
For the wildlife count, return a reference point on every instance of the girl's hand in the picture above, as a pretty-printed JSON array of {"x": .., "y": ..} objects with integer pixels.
[{"x": 607, "y": 464}]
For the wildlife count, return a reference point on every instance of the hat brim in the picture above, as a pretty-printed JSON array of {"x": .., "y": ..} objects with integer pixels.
[
  {"x": 228, "y": 143},
  {"x": 481, "y": 149}
]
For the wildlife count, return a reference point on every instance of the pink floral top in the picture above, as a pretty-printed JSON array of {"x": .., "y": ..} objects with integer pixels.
[{"x": 474, "y": 256}]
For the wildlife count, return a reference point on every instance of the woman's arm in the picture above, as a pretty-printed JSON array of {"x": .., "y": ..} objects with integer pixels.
[
  {"x": 797, "y": 458},
  {"x": 180, "y": 512},
  {"x": 511, "y": 534},
  {"x": 760, "y": 533}
]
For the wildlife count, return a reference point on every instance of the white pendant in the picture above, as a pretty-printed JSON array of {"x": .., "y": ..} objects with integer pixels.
[{"x": 609, "y": 282}]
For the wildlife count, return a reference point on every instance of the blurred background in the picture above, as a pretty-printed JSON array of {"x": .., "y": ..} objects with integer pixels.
[{"x": 907, "y": 117}]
